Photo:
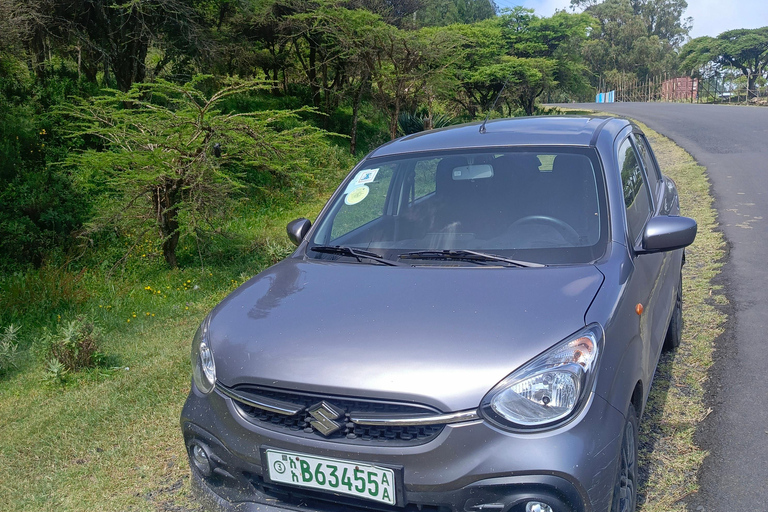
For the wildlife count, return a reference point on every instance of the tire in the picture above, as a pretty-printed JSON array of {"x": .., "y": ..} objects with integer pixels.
[
  {"x": 675, "y": 329},
  {"x": 625, "y": 488}
]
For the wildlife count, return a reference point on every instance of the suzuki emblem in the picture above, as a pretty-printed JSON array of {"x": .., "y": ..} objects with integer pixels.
[{"x": 324, "y": 415}]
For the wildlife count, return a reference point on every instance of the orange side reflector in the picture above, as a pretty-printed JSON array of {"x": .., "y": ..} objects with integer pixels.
[{"x": 639, "y": 309}]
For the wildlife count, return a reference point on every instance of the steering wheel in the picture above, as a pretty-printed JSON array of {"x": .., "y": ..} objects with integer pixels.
[{"x": 566, "y": 230}]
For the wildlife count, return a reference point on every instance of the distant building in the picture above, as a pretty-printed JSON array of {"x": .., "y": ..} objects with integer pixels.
[{"x": 680, "y": 89}]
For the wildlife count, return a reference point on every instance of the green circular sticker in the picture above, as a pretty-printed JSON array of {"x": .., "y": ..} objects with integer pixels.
[{"x": 357, "y": 195}]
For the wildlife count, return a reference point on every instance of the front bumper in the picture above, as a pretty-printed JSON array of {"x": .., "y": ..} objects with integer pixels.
[{"x": 468, "y": 467}]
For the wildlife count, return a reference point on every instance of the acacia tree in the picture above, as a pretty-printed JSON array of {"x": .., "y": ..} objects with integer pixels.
[
  {"x": 541, "y": 55},
  {"x": 743, "y": 49},
  {"x": 408, "y": 68},
  {"x": 172, "y": 155},
  {"x": 338, "y": 49},
  {"x": 479, "y": 50}
]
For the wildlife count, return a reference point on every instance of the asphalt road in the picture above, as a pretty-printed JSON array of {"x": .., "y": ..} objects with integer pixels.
[{"x": 732, "y": 142}]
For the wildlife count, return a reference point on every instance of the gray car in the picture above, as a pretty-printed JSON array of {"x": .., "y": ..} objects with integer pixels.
[{"x": 472, "y": 324}]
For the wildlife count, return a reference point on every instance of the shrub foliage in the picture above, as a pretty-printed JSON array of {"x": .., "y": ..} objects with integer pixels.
[
  {"x": 8, "y": 346},
  {"x": 173, "y": 158},
  {"x": 74, "y": 346}
]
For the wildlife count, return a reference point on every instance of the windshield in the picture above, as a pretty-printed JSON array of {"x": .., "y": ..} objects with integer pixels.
[{"x": 542, "y": 205}]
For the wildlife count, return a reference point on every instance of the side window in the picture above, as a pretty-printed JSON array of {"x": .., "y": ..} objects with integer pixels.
[
  {"x": 636, "y": 198},
  {"x": 424, "y": 177},
  {"x": 650, "y": 164}
]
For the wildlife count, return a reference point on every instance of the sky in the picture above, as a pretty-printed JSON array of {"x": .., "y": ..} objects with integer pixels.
[{"x": 710, "y": 17}]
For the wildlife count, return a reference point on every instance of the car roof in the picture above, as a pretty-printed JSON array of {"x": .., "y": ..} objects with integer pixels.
[{"x": 521, "y": 131}]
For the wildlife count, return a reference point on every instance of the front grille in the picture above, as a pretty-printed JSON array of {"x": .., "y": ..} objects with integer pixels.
[
  {"x": 327, "y": 502},
  {"x": 299, "y": 424}
]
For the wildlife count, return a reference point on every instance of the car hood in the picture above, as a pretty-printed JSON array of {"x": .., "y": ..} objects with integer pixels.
[{"x": 441, "y": 336}]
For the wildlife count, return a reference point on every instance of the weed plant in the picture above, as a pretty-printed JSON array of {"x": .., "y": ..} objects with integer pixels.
[
  {"x": 74, "y": 345},
  {"x": 8, "y": 347}
]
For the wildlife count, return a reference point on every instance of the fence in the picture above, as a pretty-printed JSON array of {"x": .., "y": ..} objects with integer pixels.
[{"x": 716, "y": 88}]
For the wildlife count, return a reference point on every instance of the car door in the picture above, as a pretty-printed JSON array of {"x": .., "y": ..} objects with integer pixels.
[
  {"x": 646, "y": 285},
  {"x": 664, "y": 299}
]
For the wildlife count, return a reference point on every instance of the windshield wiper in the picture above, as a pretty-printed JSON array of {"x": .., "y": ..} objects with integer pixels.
[
  {"x": 354, "y": 253},
  {"x": 466, "y": 255}
]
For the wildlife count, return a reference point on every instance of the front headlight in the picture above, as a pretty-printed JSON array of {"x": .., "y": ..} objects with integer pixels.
[
  {"x": 203, "y": 366},
  {"x": 551, "y": 387}
]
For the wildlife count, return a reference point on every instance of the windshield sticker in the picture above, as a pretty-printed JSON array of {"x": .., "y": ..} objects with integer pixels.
[
  {"x": 356, "y": 195},
  {"x": 365, "y": 176}
]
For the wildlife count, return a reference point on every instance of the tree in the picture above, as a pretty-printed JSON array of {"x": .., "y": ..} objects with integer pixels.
[
  {"x": 634, "y": 36},
  {"x": 545, "y": 53},
  {"x": 14, "y": 25},
  {"x": 530, "y": 54},
  {"x": 448, "y": 12},
  {"x": 662, "y": 18},
  {"x": 412, "y": 66},
  {"x": 480, "y": 46},
  {"x": 113, "y": 36},
  {"x": 525, "y": 79},
  {"x": 394, "y": 12},
  {"x": 172, "y": 156},
  {"x": 743, "y": 49},
  {"x": 338, "y": 50}
]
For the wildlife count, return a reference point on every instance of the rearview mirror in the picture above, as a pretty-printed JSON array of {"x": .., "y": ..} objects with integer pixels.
[
  {"x": 298, "y": 229},
  {"x": 472, "y": 172},
  {"x": 667, "y": 233}
]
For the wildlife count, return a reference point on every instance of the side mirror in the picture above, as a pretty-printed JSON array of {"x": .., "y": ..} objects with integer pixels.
[
  {"x": 667, "y": 233},
  {"x": 298, "y": 229}
]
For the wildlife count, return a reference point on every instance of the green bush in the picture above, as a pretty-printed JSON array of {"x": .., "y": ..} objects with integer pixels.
[
  {"x": 8, "y": 346},
  {"x": 39, "y": 206},
  {"x": 74, "y": 345},
  {"x": 409, "y": 123}
]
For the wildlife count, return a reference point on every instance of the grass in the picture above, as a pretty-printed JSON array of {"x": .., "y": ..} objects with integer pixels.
[{"x": 108, "y": 438}]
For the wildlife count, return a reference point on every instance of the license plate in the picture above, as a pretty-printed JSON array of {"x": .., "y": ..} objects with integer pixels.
[{"x": 339, "y": 476}]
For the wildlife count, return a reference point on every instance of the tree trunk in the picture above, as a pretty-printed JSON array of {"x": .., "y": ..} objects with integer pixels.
[
  {"x": 527, "y": 105},
  {"x": 751, "y": 93},
  {"x": 166, "y": 198},
  {"x": 313, "y": 85},
  {"x": 393, "y": 119},
  {"x": 130, "y": 64},
  {"x": 355, "y": 115},
  {"x": 37, "y": 48},
  {"x": 275, "y": 82},
  {"x": 169, "y": 250}
]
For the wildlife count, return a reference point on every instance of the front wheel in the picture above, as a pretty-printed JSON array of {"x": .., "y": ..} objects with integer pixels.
[{"x": 625, "y": 488}]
